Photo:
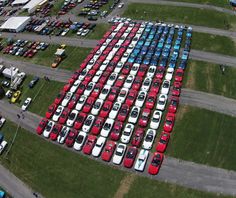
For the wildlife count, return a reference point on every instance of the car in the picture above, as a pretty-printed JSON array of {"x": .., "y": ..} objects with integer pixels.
[
  {"x": 88, "y": 123},
  {"x": 63, "y": 134},
  {"x": 88, "y": 105},
  {"x": 81, "y": 87},
  {"x": 70, "y": 139},
  {"x": 143, "y": 121},
  {"x": 179, "y": 75},
  {"x": 73, "y": 101},
  {"x": 130, "y": 156},
  {"x": 80, "y": 120},
  {"x": 96, "y": 128},
  {"x": 169, "y": 122},
  {"x": 134, "y": 69},
  {"x": 66, "y": 99},
  {"x": 97, "y": 106},
  {"x": 120, "y": 81},
  {"x": 59, "y": 97},
  {"x": 161, "y": 103},
  {"x": 80, "y": 140},
  {"x": 128, "y": 82},
  {"x": 140, "y": 99},
  {"x": 146, "y": 84},
  {"x": 105, "y": 109},
  {"x": 55, "y": 131},
  {"x": 57, "y": 113},
  {"x": 134, "y": 114},
  {"x": 97, "y": 76},
  {"x": 156, "y": 119},
  {"x": 149, "y": 139},
  {"x": 81, "y": 102},
  {"x": 169, "y": 74},
  {"x": 3, "y": 146},
  {"x": 155, "y": 164},
  {"x": 72, "y": 117},
  {"x": 64, "y": 115},
  {"x": 96, "y": 91},
  {"x": 51, "y": 110},
  {"x": 89, "y": 88},
  {"x": 26, "y": 104},
  {"x": 160, "y": 72},
  {"x": 108, "y": 151},
  {"x": 113, "y": 94},
  {"x": 119, "y": 153},
  {"x": 165, "y": 87},
  {"x": 83, "y": 74},
  {"x": 112, "y": 78},
  {"x": 137, "y": 83},
  {"x": 176, "y": 90},
  {"x": 156, "y": 84},
  {"x": 174, "y": 102},
  {"x": 106, "y": 128},
  {"x": 115, "y": 109},
  {"x": 105, "y": 91},
  {"x": 142, "y": 70},
  {"x": 127, "y": 133},
  {"x": 151, "y": 71},
  {"x": 43, "y": 123},
  {"x": 33, "y": 82},
  {"x": 138, "y": 137},
  {"x": 122, "y": 95},
  {"x": 48, "y": 128},
  {"x": 97, "y": 149},
  {"x": 89, "y": 144},
  {"x": 131, "y": 97},
  {"x": 141, "y": 160},
  {"x": 15, "y": 96},
  {"x": 151, "y": 100},
  {"x": 163, "y": 142},
  {"x": 2, "y": 121},
  {"x": 123, "y": 113},
  {"x": 116, "y": 131}
]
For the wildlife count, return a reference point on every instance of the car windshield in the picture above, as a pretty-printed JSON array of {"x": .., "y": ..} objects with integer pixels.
[
  {"x": 134, "y": 113},
  {"x": 79, "y": 139},
  {"x": 166, "y": 85},
  {"x": 97, "y": 105},
  {"x": 168, "y": 122},
  {"x": 174, "y": 102},
  {"x": 155, "y": 119},
  {"x": 127, "y": 133},
  {"x": 107, "y": 126},
  {"x": 90, "y": 86},
  {"x": 115, "y": 107},
  {"x": 141, "y": 97},
  {"x": 150, "y": 99},
  {"x": 130, "y": 154},
  {"x": 72, "y": 116},
  {"x": 156, "y": 161},
  {"x": 119, "y": 153},
  {"x": 63, "y": 132},
  {"x": 88, "y": 122},
  {"x": 104, "y": 91},
  {"x": 149, "y": 138},
  {"x": 162, "y": 141},
  {"x": 179, "y": 74}
]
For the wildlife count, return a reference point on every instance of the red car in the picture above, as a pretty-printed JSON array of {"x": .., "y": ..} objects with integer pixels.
[
  {"x": 120, "y": 81},
  {"x": 88, "y": 104},
  {"x": 51, "y": 109},
  {"x": 131, "y": 97},
  {"x": 179, "y": 75},
  {"x": 126, "y": 68},
  {"x": 104, "y": 77},
  {"x": 176, "y": 89},
  {"x": 163, "y": 142},
  {"x": 108, "y": 150},
  {"x": 116, "y": 131},
  {"x": 137, "y": 83},
  {"x": 160, "y": 72},
  {"x": 143, "y": 121},
  {"x": 123, "y": 112},
  {"x": 174, "y": 102},
  {"x": 105, "y": 109},
  {"x": 156, "y": 162},
  {"x": 41, "y": 126},
  {"x": 89, "y": 144},
  {"x": 59, "y": 97},
  {"x": 70, "y": 139},
  {"x": 64, "y": 116},
  {"x": 81, "y": 87},
  {"x": 55, "y": 131},
  {"x": 73, "y": 101},
  {"x": 67, "y": 87},
  {"x": 142, "y": 70},
  {"x": 169, "y": 122},
  {"x": 96, "y": 91},
  {"x": 138, "y": 137},
  {"x": 89, "y": 75},
  {"x": 156, "y": 84},
  {"x": 151, "y": 100},
  {"x": 97, "y": 126},
  {"x": 113, "y": 94},
  {"x": 130, "y": 157},
  {"x": 80, "y": 120}
]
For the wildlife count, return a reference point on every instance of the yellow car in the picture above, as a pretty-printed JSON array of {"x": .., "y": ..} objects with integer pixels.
[
  {"x": 15, "y": 96},
  {"x": 56, "y": 62}
]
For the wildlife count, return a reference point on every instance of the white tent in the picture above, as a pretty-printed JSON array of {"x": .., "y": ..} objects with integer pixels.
[
  {"x": 32, "y": 5},
  {"x": 15, "y": 24},
  {"x": 19, "y": 2}
]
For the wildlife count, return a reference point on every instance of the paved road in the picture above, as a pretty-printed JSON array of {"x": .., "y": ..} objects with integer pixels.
[
  {"x": 173, "y": 170},
  {"x": 13, "y": 185}
]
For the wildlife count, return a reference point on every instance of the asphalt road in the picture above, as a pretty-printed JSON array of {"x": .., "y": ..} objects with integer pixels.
[{"x": 192, "y": 175}]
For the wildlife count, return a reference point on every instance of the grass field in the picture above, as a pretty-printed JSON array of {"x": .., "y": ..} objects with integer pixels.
[
  {"x": 98, "y": 31},
  {"x": 56, "y": 7},
  {"x": 214, "y": 43},
  {"x": 204, "y": 137},
  {"x": 194, "y": 16},
  {"x": 207, "y": 77}
]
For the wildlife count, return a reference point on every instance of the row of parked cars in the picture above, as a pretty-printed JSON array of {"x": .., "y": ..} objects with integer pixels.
[
  {"x": 111, "y": 101},
  {"x": 4, "y": 12}
]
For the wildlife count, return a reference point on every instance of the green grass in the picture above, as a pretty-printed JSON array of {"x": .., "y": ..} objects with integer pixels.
[
  {"x": 56, "y": 7},
  {"x": 204, "y": 137},
  {"x": 194, "y": 16},
  {"x": 207, "y": 77},
  {"x": 214, "y": 43},
  {"x": 98, "y": 31}
]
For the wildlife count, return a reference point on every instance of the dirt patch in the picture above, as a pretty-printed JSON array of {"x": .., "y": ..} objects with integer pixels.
[
  {"x": 191, "y": 77},
  {"x": 181, "y": 112},
  {"x": 125, "y": 184}
]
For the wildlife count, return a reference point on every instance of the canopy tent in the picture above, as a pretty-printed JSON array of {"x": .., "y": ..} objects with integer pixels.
[
  {"x": 33, "y": 5},
  {"x": 19, "y": 2},
  {"x": 60, "y": 52},
  {"x": 15, "y": 24}
]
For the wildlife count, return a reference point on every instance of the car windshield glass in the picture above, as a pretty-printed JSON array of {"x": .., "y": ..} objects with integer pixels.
[
  {"x": 127, "y": 133},
  {"x": 162, "y": 141},
  {"x": 168, "y": 122},
  {"x": 166, "y": 85},
  {"x": 149, "y": 138},
  {"x": 155, "y": 119},
  {"x": 80, "y": 139},
  {"x": 134, "y": 113},
  {"x": 107, "y": 126},
  {"x": 130, "y": 154},
  {"x": 156, "y": 162},
  {"x": 72, "y": 116}
]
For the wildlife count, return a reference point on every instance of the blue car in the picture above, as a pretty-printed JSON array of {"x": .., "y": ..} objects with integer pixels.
[
  {"x": 185, "y": 55},
  {"x": 163, "y": 62},
  {"x": 172, "y": 63},
  {"x": 182, "y": 64}
]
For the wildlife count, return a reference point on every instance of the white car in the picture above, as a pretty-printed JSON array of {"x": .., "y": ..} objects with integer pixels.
[
  {"x": 130, "y": 48},
  {"x": 134, "y": 114},
  {"x": 118, "y": 67},
  {"x": 83, "y": 74},
  {"x": 107, "y": 126},
  {"x": 97, "y": 106},
  {"x": 75, "y": 86},
  {"x": 122, "y": 95},
  {"x": 128, "y": 82},
  {"x": 127, "y": 133},
  {"x": 90, "y": 64},
  {"x": 3, "y": 145},
  {"x": 48, "y": 129},
  {"x": 165, "y": 87},
  {"x": 57, "y": 113},
  {"x": 81, "y": 102},
  {"x": 71, "y": 118},
  {"x": 141, "y": 160},
  {"x": 67, "y": 98},
  {"x": 89, "y": 89},
  {"x": 119, "y": 153},
  {"x": 161, "y": 103},
  {"x": 105, "y": 91},
  {"x": 140, "y": 98},
  {"x": 97, "y": 76},
  {"x": 149, "y": 139},
  {"x": 115, "y": 109},
  {"x": 125, "y": 57},
  {"x": 151, "y": 71},
  {"x": 112, "y": 78},
  {"x": 65, "y": 32},
  {"x": 104, "y": 65},
  {"x": 169, "y": 73},
  {"x": 146, "y": 84},
  {"x": 88, "y": 123},
  {"x": 26, "y": 104},
  {"x": 134, "y": 69},
  {"x": 80, "y": 140},
  {"x": 2, "y": 121},
  {"x": 97, "y": 149},
  {"x": 156, "y": 119},
  {"x": 63, "y": 134}
]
